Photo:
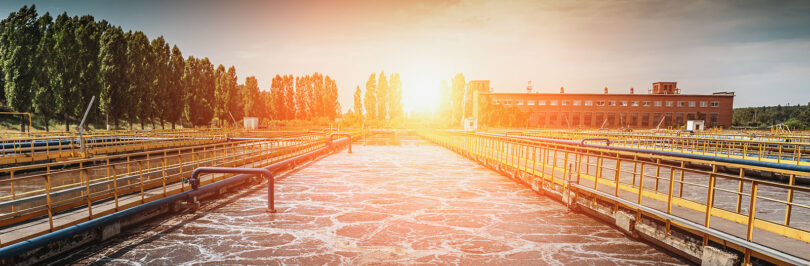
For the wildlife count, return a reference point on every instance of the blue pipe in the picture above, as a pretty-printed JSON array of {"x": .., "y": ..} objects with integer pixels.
[{"x": 788, "y": 167}]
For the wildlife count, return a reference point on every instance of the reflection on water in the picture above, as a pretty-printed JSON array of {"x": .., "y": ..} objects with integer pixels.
[{"x": 394, "y": 200}]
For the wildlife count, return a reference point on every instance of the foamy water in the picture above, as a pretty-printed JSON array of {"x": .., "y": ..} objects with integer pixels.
[{"x": 408, "y": 203}]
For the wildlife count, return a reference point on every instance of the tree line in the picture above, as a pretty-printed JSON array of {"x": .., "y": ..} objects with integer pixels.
[
  {"x": 795, "y": 117},
  {"x": 382, "y": 99},
  {"x": 52, "y": 67}
]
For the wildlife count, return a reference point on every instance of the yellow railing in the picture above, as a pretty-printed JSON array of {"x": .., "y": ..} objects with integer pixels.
[
  {"x": 35, "y": 192},
  {"x": 789, "y": 150},
  {"x": 726, "y": 196}
]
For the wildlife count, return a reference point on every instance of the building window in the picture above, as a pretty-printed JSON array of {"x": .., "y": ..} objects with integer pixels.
[
  {"x": 588, "y": 103},
  {"x": 612, "y": 103},
  {"x": 670, "y": 103},
  {"x": 519, "y": 103},
  {"x": 692, "y": 104},
  {"x": 552, "y": 102},
  {"x": 624, "y": 103},
  {"x": 541, "y": 102},
  {"x": 704, "y": 104},
  {"x": 715, "y": 104},
  {"x": 531, "y": 103},
  {"x": 600, "y": 103},
  {"x": 646, "y": 103},
  {"x": 566, "y": 103},
  {"x": 681, "y": 104},
  {"x": 577, "y": 102},
  {"x": 657, "y": 103},
  {"x": 635, "y": 103}
]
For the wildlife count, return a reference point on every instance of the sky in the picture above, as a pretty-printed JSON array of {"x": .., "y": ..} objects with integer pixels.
[{"x": 758, "y": 49}]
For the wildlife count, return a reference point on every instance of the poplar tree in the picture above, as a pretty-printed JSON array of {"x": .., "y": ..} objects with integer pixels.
[
  {"x": 302, "y": 105},
  {"x": 87, "y": 36},
  {"x": 66, "y": 68},
  {"x": 330, "y": 103},
  {"x": 395, "y": 97},
  {"x": 19, "y": 38},
  {"x": 251, "y": 97},
  {"x": 176, "y": 91},
  {"x": 458, "y": 97},
  {"x": 382, "y": 97},
  {"x": 370, "y": 100},
  {"x": 289, "y": 96},
  {"x": 44, "y": 99},
  {"x": 358, "y": 102},
  {"x": 114, "y": 96},
  {"x": 160, "y": 71},
  {"x": 140, "y": 83},
  {"x": 277, "y": 92}
]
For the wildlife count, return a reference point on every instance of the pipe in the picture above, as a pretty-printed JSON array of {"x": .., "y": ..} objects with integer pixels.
[
  {"x": 607, "y": 141},
  {"x": 13, "y": 250},
  {"x": 195, "y": 180},
  {"x": 332, "y": 136},
  {"x": 787, "y": 167}
]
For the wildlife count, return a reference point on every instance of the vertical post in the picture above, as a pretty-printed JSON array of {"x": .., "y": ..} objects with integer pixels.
[
  {"x": 48, "y": 196},
  {"x": 740, "y": 190},
  {"x": 709, "y": 203},
  {"x": 789, "y": 205},
  {"x": 752, "y": 210}
]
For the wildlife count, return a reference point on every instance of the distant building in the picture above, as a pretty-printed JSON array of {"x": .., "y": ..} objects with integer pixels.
[{"x": 664, "y": 105}]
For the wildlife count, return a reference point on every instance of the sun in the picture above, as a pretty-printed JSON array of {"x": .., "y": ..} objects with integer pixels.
[{"x": 421, "y": 90}]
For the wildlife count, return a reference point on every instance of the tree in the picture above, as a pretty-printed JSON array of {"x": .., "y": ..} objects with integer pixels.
[
  {"x": 458, "y": 97},
  {"x": 302, "y": 97},
  {"x": 199, "y": 79},
  {"x": 66, "y": 68},
  {"x": 330, "y": 103},
  {"x": 382, "y": 97},
  {"x": 19, "y": 38},
  {"x": 113, "y": 98},
  {"x": 288, "y": 84},
  {"x": 315, "y": 95},
  {"x": 87, "y": 36},
  {"x": 277, "y": 92},
  {"x": 44, "y": 99},
  {"x": 138, "y": 57},
  {"x": 250, "y": 95},
  {"x": 370, "y": 100},
  {"x": 395, "y": 97},
  {"x": 358, "y": 102},
  {"x": 176, "y": 91},
  {"x": 160, "y": 69}
]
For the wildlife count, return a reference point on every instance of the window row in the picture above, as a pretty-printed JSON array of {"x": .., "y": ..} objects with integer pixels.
[
  {"x": 607, "y": 103},
  {"x": 611, "y": 119}
]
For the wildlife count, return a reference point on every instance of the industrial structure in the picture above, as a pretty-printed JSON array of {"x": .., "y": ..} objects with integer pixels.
[{"x": 662, "y": 107}]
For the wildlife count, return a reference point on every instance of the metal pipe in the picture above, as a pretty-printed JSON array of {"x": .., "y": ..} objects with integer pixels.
[
  {"x": 332, "y": 136},
  {"x": 195, "y": 179},
  {"x": 607, "y": 141}
]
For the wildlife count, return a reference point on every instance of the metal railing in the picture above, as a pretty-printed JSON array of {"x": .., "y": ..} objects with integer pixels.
[
  {"x": 785, "y": 149},
  {"x": 718, "y": 195},
  {"x": 106, "y": 184}
]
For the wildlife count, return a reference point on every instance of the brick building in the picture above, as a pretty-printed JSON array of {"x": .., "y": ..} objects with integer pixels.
[{"x": 664, "y": 105}]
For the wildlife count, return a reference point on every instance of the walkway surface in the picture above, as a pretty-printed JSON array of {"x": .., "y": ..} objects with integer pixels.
[{"x": 405, "y": 202}]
